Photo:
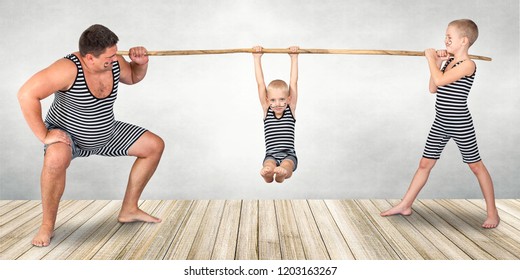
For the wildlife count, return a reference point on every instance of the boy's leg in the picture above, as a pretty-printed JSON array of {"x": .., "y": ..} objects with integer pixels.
[
  {"x": 419, "y": 180},
  {"x": 148, "y": 149},
  {"x": 284, "y": 171},
  {"x": 486, "y": 185},
  {"x": 56, "y": 161},
  {"x": 267, "y": 171}
]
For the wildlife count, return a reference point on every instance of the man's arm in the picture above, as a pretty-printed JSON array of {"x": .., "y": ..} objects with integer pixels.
[
  {"x": 134, "y": 71},
  {"x": 58, "y": 76}
]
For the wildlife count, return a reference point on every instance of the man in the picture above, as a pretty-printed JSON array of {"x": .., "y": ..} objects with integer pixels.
[{"x": 81, "y": 121}]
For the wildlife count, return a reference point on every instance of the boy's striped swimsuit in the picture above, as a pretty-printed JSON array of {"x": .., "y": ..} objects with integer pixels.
[
  {"x": 90, "y": 120},
  {"x": 453, "y": 120},
  {"x": 279, "y": 136}
]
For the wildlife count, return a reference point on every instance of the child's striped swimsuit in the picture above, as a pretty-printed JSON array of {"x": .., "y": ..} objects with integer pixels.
[
  {"x": 279, "y": 136},
  {"x": 453, "y": 120},
  {"x": 89, "y": 120}
]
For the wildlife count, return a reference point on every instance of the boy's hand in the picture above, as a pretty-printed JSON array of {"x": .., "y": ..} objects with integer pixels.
[
  {"x": 436, "y": 56},
  {"x": 443, "y": 54},
  {"x": 293, "y": 51},
  {"x": 257, "y": 51}
]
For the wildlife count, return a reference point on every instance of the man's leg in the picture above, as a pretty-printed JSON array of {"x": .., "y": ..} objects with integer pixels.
[
  {"x": 148, "y": 149},
  {"x": 56, "y": 161}
]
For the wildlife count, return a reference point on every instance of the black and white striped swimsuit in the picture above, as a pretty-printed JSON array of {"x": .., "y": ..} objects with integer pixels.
[
  {"x": 279, "y": 136},
  {"x": 90, "y": 120},
  {"x": 453, "y": 120}
]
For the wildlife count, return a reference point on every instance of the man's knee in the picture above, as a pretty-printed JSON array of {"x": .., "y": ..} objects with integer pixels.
[
  {"x": 57, "y": 157},
  {"x": 153, "y": 145},
  {"x": 158, "y": 145}
]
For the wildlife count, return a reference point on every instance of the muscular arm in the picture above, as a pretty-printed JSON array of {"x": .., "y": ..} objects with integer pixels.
[
  {"x": 58, "y": 76},
  {"x": 134, "y": 71}
]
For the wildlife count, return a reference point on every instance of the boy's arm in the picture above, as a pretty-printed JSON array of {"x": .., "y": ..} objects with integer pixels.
[
  {"x": 259, "y": 75},
  {"x": 293, "y": 82},
  {"x": 442, "y": 55},
  {"x": 438, "y": 78}
]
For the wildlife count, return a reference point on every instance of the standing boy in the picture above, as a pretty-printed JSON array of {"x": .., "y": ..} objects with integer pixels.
[{"x": 452, "y": 84}]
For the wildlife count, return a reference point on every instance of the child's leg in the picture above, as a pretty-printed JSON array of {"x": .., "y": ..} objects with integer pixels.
[
  {"x": 267, "y": 171},
  {"x": 486, "y": 185},
  {"x": 284, "y": 171},
  {"x": 418, "y": 182}
]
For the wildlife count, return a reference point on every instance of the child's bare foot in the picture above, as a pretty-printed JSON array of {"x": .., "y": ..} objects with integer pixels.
[
  {"x": 397, "y": 210},
  {"x": 267, "y": 173},
  {"x": 137, "y": 216},
  {"x": 491, "y": 221},
  {"x": 43, "y": 237},
  {"x": 281, "y": 174}
]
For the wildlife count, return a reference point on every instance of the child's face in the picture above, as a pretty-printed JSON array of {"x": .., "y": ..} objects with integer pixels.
[
  {"x": 278, "y": 100},
  {"x": 453, "y": 39}
]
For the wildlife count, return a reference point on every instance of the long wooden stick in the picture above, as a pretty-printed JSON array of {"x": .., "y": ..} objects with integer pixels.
[{"x": 302, "y": 51}]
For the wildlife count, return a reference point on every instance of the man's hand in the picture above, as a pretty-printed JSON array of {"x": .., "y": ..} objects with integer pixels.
[
  {"x": 56, "y": 135},
  {"x": 138, "y": 55}
]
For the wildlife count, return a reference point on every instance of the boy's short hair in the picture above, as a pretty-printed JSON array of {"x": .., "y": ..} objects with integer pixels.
[
  {"x": 278, "y": 84},
  {"x": 467, "y": 28},
  {"x": 96, "y": 39}
]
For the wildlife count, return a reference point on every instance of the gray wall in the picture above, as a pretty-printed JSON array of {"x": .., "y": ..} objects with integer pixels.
[{"x": 362, "y": 120}]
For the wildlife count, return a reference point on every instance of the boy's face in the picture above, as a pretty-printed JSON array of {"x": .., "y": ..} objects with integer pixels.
[
  {"x": 453, "y": 39},
  {"x": 278, "y": 100}
]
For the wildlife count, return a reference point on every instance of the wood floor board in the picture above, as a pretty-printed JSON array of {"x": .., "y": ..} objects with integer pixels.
[
  {"x": 249, "y": 242},
  {"x": 181, "y": 245},
  {"x": 471, "y": 231},
  {"x": 302, "y": 229},
  {"x": 426, "y": 230},
  {"x": 226, "y": 241}
]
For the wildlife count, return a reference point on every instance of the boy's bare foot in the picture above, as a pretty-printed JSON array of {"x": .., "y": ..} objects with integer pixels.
[
  {"x": 137, "y": 216},
  {"x": 281, "y": 174},
  {"x": 43, "y": 237},
  {"x": 397, "y": 210},
  {"x": 267, "y": 173},
  {"x": 491, "y": 221}
]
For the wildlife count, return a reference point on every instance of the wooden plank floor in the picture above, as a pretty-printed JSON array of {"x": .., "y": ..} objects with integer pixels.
[{"x": 264, "y": 230}]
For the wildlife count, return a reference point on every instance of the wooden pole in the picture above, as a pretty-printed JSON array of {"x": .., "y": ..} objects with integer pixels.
[{"x": 301, "y": 51}]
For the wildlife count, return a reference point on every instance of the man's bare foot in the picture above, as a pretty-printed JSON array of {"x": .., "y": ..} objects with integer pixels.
[
  {"x": 491, "y": 221},
  {"x": 267, "y": 173},
  {"x": 137, "y": 216},
  {"x": 397, "y": 210},
  {"x": 43, "y": 237},
  {"x": 281, "y": 173}
]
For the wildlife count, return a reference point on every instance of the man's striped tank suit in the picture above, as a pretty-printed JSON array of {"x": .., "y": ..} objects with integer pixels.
[
  {"x": 89, "y": 120},
  {"x": 279, "y": 136},
  {"x": 453, "y": 120}
]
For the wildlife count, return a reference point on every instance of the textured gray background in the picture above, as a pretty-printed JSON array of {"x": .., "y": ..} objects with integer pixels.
[{"x": 362, "y": 120}]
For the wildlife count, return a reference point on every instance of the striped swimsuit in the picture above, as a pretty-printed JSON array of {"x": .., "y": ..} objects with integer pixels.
[
  {"x": 279, "y": 136},
  {"x": 90, "y": 121},
  {"x": 453, "y": 120}
]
